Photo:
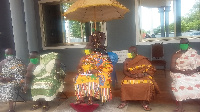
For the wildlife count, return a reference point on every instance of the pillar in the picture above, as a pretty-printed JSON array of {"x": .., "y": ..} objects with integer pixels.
[
  {"x": 178, "y": 17},
  {"x": 19, "y": 30},
  {"x": 31, "y": 25},
  {"x": 167, "y": 9},
  {"x": 161, "y": 11}
]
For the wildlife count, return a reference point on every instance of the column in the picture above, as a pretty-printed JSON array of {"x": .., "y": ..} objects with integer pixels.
[
  {"x": 31, "y": 25},
  {"x": 87, "y": 31},
  {"x": 19, "y": 30},
  {"x": 161, "y": 11},
  {"x": 178, "y": 17},
  {"x": 167, "y": 9}
]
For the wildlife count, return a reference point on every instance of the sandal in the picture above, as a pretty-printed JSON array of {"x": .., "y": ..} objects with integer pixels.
[
  {"x": 146, "y": 108},
  {"x": 90, "y": 102},
  {"x": 122, "y": 105},
  {"x": 34, "y": 107},
  {"x": 79, "y": 102},
  {"x": 45, "y": 108},
  {"x": 178, "y": 110}
]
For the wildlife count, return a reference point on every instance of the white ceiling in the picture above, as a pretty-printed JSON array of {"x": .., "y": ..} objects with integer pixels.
[{"x": 155, "y": 3}]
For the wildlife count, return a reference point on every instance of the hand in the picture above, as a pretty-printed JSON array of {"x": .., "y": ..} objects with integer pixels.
[
  {"x": 189, "y": 72},
  {"x": 94, "y": 71},
  {"x": 25, "y": 88},
  {"x": 57, "y": 76},
  {"x": 134, "y": 76},
  {"x": 80, "y": 71},
  {"x": 6, "y": 80},
  {"x": 1, "y": 79},
  {"x": 140, "y": 75}
]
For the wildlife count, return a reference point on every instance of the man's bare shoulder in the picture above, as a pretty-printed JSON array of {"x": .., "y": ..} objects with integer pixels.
[
  {"x": 30, "y": 67},
  {"x": 177, "y": 55}
]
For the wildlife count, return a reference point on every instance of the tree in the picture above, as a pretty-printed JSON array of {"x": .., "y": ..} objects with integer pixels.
[
  {"x": 74, "y": 26},
  {"x": 157, "y": 30},
  {"x": 189, "y": 22},
  {"x": 192, "y": 20}
]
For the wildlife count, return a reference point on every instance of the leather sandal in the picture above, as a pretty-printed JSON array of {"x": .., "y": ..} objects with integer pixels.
[
  {"x": 79, "y": 102},
  {"x": 178, "y": 110},
  {"x": 90, "y": 102},
  {"x": 146, "y": 107},
  {"x": 45, "y": 108},
  {"x": 34, "y": 107},
  {"x": 122, "y": 105}
]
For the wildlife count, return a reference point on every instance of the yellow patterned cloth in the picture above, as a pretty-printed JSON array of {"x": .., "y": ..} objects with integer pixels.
[
  {"x": 136, "y": 81},
  {"x": 98, "y": 84}
]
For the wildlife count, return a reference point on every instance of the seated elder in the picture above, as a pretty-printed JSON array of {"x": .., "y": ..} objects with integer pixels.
[
  {"x": 138, "y": 83},
  {"x": 93, "y": 78},
  {"x": 43, "y": 77},
  {"x": 185, "y": 74},
  {"x": 12, "y": 71}
]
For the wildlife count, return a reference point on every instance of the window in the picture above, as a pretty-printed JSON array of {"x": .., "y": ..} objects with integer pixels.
[
  {"x": 57, "y": 32},
  {"x": 167, "y": 20}
]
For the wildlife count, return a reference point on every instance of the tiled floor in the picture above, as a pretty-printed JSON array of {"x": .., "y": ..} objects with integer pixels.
[{"x": 164, "y": 102}]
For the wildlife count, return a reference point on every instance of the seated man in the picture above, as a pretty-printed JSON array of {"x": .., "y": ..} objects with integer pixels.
[
  {"x": 138, "y": 83},
  {"x": 93, "y": 79},
  {"x": 185, "y": 74},
  {"x": 43, "y": 77},
  {"x": 12, "y": 71}
]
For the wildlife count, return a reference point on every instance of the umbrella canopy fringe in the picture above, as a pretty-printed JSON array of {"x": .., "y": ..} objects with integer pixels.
[{"x": 115, "y": 5}]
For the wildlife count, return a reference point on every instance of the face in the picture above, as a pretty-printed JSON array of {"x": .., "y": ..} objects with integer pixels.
[
  {"x": 34, "y": 58},
  {"x": 184, "y": 44},
  {"x": 8, "y": 52},
  {"x": 132, "y": 49},
  {"x": 132, "y": 52}
]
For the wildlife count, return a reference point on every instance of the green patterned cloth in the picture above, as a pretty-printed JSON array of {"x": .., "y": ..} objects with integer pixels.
[{"x": 45, "y": 84}]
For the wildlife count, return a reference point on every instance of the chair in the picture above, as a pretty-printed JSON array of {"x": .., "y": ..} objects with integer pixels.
[
  {"x": 63, "y": 69},
  {"x": 157, "y": 54},
  {"x": 17, "y": 90}
]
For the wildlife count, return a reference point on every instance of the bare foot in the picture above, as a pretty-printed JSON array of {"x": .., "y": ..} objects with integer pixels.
[
  {"x": 90, "y": 102},
  {"x": 122, "y": 105},
  {"x": 178, "y": 110},
  {"x": 146, "y": 107}
]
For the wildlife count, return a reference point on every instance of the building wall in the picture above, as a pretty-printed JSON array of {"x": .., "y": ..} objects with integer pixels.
[
  {"x": 121, "y": 35},
  {"x": 6, "y": 35}
]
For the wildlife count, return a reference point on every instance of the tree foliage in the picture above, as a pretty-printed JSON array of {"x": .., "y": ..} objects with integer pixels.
[
  {"x": 74, "y": 26},
  {"x": 190, "y": 21}
]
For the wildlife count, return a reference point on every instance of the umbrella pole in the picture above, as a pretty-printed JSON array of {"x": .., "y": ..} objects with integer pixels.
[{"x": 95, "y": 27}]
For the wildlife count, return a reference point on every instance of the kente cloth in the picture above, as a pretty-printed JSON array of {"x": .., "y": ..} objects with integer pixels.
[
  {"x": 183, "y": 86},
  {"x": 11, "y": 68},
  {"x": 45, "y": 83},
  {"x": 96, "y": 85},
  {"x": 139, "y": 88}
]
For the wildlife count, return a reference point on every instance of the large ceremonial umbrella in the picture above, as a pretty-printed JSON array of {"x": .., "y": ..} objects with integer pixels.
[{"x": 95, "y": 10}]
